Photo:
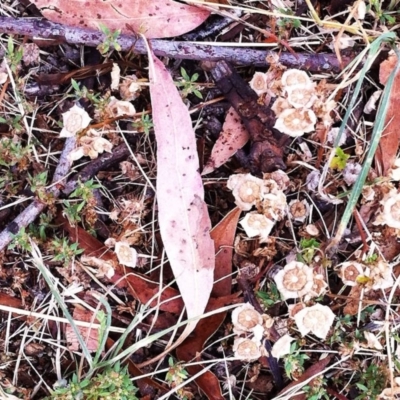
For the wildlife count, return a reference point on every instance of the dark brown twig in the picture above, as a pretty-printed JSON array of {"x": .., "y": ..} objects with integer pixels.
[
  {"x": 103, "y": 162},
  {"x": 267, "y": 144},
  {"x": 56, "y": 33}
]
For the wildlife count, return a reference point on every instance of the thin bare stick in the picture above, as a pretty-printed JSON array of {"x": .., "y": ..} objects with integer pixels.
[{"x": 55, "y": 33}]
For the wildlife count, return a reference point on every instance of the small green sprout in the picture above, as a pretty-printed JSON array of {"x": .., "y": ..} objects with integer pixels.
[
  {"x": 65, "y": 251},
  {"x": 288, "y": 23},
  {"x": 375, "y": 8},
  {"x": 372, "y": 381},
  {"x": 144, "y": 125},
  {"x": 84, "y": 190},
  {"x": 340, "y": 160},
  {"x": 84, "y": 93},
  {"x": 294, "y": 362},
  {"x": 317, "y": 389},
  {"x": 110, "y": 40},
  {"x": 21, "y": 240},
  {"x": 308, "y": 248},
  {"x": 113, "y": 383},
  {"x": 14, "y": 56},
  {"x": 188, "y": 84},
  {"x": 270, "y": 296},
  {"x": 175, "y": 376}
]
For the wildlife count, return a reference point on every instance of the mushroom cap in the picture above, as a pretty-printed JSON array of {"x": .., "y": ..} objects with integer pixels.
[
  {"x": 294, "y": 280},
  {"x": 295, "y": 77},
  {"x": 279, "y": 105},
  {"x": 247, "y": 190},
  {"x": 301, "y": 97},
  {"x": 118, "y": 108},
  {"x": 319, "y": 286},
  {"x": 280, "y": 177},
  {"x": 126, "y": 255},
  {"x": 317, "y": 319},
  {"x": 255, "y": 224},
  {"x": 259, "y": 83},
  {"x": 350, "y": 271},
  {"x": 247, "y": 349},
  {"x": 299, "y": 210},
  {"x": 245, "y": 318},
  {"x": 390, "y": 214},
  {"x": 381, "y": 275},
  {"x": 282, "y": 346},
  {"x": 74, "y": 120},
  {"x": 295, "y": 122}
]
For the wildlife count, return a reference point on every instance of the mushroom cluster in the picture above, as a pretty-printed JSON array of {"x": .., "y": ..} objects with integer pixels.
[
  {"x": 250, "y": 323},
  {"x": 294, "y": 109},
  {"x": 299, "y": 102},
  {"x": 266, "y": 195},
  {"x": 297, "y": 280},
  {"x": 374, "y": 275}
]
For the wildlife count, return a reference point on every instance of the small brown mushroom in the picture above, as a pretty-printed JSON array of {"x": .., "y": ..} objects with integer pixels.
[
  {"x": 294, "y": 280},
  {"x": 246, "y": 349},
  {"x": 245, "y": 318}
]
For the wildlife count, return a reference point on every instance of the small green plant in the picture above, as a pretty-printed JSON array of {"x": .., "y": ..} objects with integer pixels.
[
  {"x": 39, "y": 230},
  {"x": 270, "y": 296},
  {"x": 372, "y": 382},
  {"x": 188, "y": 84},
  {"x": 38, "y": 185},
  {"x": 287, "y": 23},
  {"x": 144, "y": 125},
  {"x": 21, "y": 241},
  {"x": 73, "y": 211},
  {"x": 308, "y": 248},
  {"x": 65, "y": 251},
  {"x": 84, "y": 190},
  {"x": 375, "y": 8},
  {"x": 294, "y": 362},
  {"x": 14, "y": 56},
  {"x": 84, "y": 93},
  {"x": 14, "y": 122},
  {"x": 113, "y": 383},
  {"x": 14, "y": 153},
  {"x": 110, "y": 40},
  {"x": 340, "y": 160},
  {"x": 316, "y": 390},
  {"x": 175, "y": 376},
  {"x": 371, "y": 259}
]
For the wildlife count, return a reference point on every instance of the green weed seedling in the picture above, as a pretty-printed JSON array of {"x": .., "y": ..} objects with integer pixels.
[
  {"x": 113, "y": 383},
  {"x": 308, "y": 248},
  {"x": 270, "y": 296},
  {"x": 13, "y": 55},
  {"x": 110, "y": 40},
  {"x": 188, "y": 84},
  {"x": 144, "y": 125},
  {"x": 175, "y": 376},
  {"x": 294, "y": 362},
  {"x": 372, "y": 382},
  {"x": 339, "y": 161},
  {"x": 317, "y": 390},
  {"x": 65, "y": 251}
]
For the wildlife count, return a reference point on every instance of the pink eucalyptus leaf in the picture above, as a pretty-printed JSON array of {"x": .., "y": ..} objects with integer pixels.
[
  {"x": 154, "y": 19},
  {"x": 183, "y": 217},
  {"x": 232, "y": 138}
]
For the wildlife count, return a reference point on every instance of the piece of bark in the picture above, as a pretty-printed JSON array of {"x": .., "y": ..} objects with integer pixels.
[
  {"x": 54, "y": 33},
  {"x": 267, "y": 144}
]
